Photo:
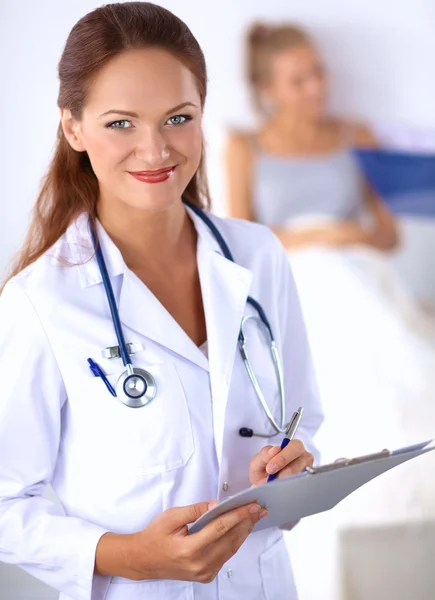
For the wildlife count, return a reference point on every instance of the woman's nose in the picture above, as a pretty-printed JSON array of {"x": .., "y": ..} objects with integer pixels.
[
  {"x": 152, "y": 149},
  {"x": 315, "y": 87}
]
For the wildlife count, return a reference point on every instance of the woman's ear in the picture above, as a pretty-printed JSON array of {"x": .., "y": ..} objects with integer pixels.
[{"x": 71, "y": 130}]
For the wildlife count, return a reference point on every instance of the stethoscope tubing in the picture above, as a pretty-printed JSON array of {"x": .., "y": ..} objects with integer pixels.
[{"x": 241, "y": 339}]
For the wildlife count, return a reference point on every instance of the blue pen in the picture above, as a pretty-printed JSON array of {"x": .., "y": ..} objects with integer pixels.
[
  {"x": 98, "y": 372},
  {"x": 290, "y": 434}
]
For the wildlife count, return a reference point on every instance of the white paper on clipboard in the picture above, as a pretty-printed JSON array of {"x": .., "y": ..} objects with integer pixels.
[{"x": 308, "y": 493}]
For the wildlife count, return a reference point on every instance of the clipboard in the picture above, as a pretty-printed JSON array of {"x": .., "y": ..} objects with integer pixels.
[{"x": 315, "y": 490}]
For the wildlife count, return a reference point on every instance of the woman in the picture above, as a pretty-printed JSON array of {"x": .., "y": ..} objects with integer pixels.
[
  {"x": 371, "y": 346},
  {"x": 119, "y": 214}
]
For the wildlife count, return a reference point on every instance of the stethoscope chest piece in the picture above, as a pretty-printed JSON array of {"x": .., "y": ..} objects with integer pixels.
[{"x": 135, "y": 389}]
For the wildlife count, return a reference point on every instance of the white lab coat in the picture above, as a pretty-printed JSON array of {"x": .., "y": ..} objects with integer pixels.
[{"x": 115, "y": 468}]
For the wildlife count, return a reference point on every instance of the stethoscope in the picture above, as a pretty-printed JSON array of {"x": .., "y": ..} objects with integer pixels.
[{"x": 136, "y": 387}]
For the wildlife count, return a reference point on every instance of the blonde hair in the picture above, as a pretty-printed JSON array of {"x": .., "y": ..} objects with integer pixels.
[{"x": 263, "y": 43}]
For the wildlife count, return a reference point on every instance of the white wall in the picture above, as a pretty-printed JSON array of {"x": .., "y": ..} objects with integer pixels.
[{"x": 380, "y": 55}]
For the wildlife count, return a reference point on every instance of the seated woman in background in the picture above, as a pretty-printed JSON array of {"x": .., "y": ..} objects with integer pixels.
[{"x": 372, "y": 346}]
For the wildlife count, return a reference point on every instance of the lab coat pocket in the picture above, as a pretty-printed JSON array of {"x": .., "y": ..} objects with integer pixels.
[
  {"x": 148, "y": 440},
  {"x": 276, "y": 572}
]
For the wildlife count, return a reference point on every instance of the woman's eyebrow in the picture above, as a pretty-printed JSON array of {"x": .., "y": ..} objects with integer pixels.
[{"x": 129, "y": 113}]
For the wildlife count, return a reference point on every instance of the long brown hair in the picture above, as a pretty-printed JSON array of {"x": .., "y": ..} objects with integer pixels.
[
  {"x": 70, "y": 185},
  {"x": 263, "y": 43}
]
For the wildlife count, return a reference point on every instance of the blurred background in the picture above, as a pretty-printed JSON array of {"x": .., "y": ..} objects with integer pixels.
[{"x": 378, "y": 59}]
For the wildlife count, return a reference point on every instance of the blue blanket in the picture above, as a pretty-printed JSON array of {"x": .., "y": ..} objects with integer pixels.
[{"x": 406, "y": 181}]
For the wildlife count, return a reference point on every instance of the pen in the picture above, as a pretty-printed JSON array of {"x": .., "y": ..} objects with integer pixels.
[
  {"x": 98, "y": 372},
  {"x": 290, "y": 434}
]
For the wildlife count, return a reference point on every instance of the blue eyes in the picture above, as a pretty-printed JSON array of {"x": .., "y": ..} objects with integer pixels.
[
  {"x": 172, "y": 121},
  {"x": 115, "y": 125},
  {"x": 179, "y": 119}
]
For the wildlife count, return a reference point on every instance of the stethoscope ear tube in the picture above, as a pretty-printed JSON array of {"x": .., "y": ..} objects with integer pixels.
[
  {"x": 279, "y": 428},
  {"x": 111, "y": 299},
  {"x": 135, "y": 387},
  {"x": 246, "y": 431}
]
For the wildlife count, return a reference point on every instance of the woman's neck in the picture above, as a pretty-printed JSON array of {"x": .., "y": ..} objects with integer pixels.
[
  {"x": 293, "y": 125},
  {"x": 149, "y": 240},
  {"x": 284, "y": 134}
]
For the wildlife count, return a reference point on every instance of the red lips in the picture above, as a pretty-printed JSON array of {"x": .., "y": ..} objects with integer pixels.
[{"x": 156, "y": 176}]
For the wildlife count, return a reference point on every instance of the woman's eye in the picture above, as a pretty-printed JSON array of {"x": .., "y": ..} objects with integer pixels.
[
  {"x": 119, "y": 125},
  {"x": 179, "y": 119}
]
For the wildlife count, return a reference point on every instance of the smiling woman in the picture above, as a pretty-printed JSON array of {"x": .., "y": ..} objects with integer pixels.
[
  {"x": 156, "y": 135},
  {"x": 123, "y": 259},
  {"x": 95, "y": 163}
]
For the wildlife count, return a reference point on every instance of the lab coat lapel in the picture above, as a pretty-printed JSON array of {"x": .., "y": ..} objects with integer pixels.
[
  {"x": 139, "y": 310},
  {"x": 225, "y": 287},
  {"x": 142, "y": 312}
]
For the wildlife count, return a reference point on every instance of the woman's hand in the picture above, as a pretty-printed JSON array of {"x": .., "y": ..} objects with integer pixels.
[
  {"x": 165, "y": 550},
  {"x": 383, "y": 236},
  {"x": 344, "y": 233},
  {"x": 271, "y": 459},
  {"x": 385, "y": 233}
]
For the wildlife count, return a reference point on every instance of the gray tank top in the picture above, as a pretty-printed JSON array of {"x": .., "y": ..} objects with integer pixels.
[{"x": 288, "y": 189}]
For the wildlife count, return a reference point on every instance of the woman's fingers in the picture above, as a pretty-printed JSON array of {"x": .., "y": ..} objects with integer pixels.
[
  {"x": 229, "y": 544},
  {"x": 297, "y": 466},
  {"x": 293, "y": 451},
  {"x": 220, "y": 526}
]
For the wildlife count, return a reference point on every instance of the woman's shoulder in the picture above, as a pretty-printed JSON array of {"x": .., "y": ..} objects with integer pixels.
[
  {"x": 363, "y": 136},
  {"x": 49, "y": 275},
  {"x": 355, "y": 133},
  {"x": 241, "y": 141}
]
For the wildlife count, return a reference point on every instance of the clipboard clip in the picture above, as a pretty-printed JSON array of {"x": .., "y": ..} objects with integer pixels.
[{"x": 346, "y": 462}]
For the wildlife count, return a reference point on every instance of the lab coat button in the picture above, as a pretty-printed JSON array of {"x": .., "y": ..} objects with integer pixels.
[
  {"x": 225, "y": 486},
  {"x": 230, "y": 573}
]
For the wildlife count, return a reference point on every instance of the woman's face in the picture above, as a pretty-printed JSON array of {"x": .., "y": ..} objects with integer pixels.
[
  {"x": 297, "y": 83},
  {"x": 142, "y": 114}
]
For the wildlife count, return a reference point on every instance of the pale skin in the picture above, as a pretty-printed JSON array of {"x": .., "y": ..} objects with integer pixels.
[
  {"x": 150, "y": 226},
  {"x": 296, "y": 87}
]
